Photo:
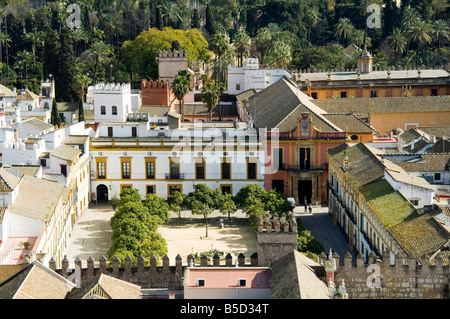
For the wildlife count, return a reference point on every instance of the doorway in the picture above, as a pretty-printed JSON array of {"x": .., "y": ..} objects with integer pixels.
[
  {"x": 102, "y": 193},
  {"x": 304, "y": 190},
  {"x": 278, "y": 185}
]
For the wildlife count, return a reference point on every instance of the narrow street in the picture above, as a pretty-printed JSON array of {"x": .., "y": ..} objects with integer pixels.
[{"x": 321, "y": 226}]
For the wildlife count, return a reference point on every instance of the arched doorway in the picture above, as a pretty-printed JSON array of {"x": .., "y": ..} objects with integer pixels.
[{"x": 102, "y": 193}]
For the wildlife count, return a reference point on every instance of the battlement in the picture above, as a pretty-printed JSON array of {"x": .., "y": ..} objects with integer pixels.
[
  {"x": 155, "y": 92},
  {"x": 155, "y": 85},
  {"x": 278, "y": 225},
  {"x": 172, "y": 54},
  {"x": 151, "y": 276},
  {"x": 112, "y": 88},
  {"x": 404, "y": 278}
]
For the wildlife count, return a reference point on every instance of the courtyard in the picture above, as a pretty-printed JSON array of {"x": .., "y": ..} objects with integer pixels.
[{"x": 91, "y": 235}]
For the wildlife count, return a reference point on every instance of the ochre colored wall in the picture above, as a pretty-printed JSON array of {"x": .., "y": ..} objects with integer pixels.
[{"x": 384, "y": 122}]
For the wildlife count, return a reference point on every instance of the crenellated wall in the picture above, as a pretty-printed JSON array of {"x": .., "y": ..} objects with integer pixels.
[
  {"x": 155, "y": 92},
  {"x": 379, "y": 279},
  {"x": 152, "y": 276}
]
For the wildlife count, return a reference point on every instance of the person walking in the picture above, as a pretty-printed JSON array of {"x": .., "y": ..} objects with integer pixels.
[{"x": 310, "y": 208}]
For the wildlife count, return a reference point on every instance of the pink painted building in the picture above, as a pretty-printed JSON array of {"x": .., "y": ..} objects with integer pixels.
[
  {"x": 227, "y": 283},
  {"x": 298, "y": 135}
]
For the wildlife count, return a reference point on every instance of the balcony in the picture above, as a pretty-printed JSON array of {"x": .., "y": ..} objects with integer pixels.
[
  {"x": 302, "y": 168},
  {"x": 174, "y": 176}
]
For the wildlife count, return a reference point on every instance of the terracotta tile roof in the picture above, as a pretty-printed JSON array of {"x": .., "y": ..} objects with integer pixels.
[
  {"x": 37, "y": 198},
  {"x": 35, "y": 282},
  {"x": 350, "y": 122},
  {"x": 386, "y": 104},
  {"x": 364, "y": 165},
  {"x": 8, "y": 181},
  {"x": 429, "y": 163},
  {"x": 108, "y": 287},
  {"x": 280, "y": 106},
  {"x": 388, "y": 204},
  {"x": 420, "y": 236},
  {"x": 293, "y": 277},
  {"x": 65, "y": 152},
  {"x": 27, "y": 95}
]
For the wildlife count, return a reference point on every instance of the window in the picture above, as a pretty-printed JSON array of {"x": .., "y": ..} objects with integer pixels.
[
  {"x": 114, "y": 110},
  {"x": 126, "y": 173},
  {"x": 200, "y": 170},
  {"x": 226, "y": 170},
  {"x": 122, "y": 187},
  {"x": 437, "y": 177},
  {"x": 201, "y": 282},
  {"x": 64, "y": 170},
  {"x": 251, "y": 170},
  {"x": 150, "y": 189},
  {"x": 277, "y": 159},
  {"x": 305, "y": 156},
  {"x": 174, "y": 170},
  {"x": 174, "y": 188},
  {"x": 373, "y": 93},
  {"x": 434, "y": 92},
  {"x": 150, "y": 170},
  {"x": 238, "y": 86},
  {"x": 343, "y": 94},
  {"x": 242, "y": 282},
  {"x": 43, "y": 162},
  {"x": 103, "y": 110},
  {"x": 101, "y": 170},
  {"x": 415, "y": 202},
  {"x": 314, "y": 95}
]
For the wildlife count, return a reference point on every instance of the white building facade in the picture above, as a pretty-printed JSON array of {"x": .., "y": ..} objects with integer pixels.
[{"x": 250, "y": 76}]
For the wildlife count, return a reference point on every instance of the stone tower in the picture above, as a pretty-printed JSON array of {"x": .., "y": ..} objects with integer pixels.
[
  {"x": 169, "y": 63},
  {"x": 276, "y": 238}
]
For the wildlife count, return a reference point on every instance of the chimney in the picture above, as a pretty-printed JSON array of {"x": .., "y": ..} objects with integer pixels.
[{"x": 330, "y": 268}]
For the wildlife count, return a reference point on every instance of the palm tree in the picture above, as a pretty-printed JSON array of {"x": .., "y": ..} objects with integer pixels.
[
  {"x": 359, "y": 36},
  {"x": 280, "y": 55},
  {"x": 83, "y": 81},
  {"x": 4, "y": 40},
  {"x": 210, "y": 95},
  {"x": 23, "y": 59},
  {"x": 397, "y": 40},
  {"x": 440, "y": 31},
  {"x": 241, "y": 44},
  {"x": 312, "y": 17},
  {"x": 263, "y": 41},
  {"x": 219, "y": 45},
  {"x": 78, "y": 35},
  {"x": 101, "y": 52},
  {"x": 420, "y": 34},
  {"x": 37, "y": 39},
  {"x": 344, "y": 29},
  {"x": 180, "y": 87},
  {"x": 409, "y": 18},
  {"x": 171, "y": 13}
]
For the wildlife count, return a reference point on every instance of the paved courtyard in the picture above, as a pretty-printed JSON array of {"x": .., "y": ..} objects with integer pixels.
[{"x": 92, "y": 234}]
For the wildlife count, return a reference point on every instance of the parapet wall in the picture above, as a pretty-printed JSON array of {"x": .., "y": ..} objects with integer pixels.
[
  {"x": 379, "y": 279},
  {"x": 276, "y": 238},
  {"x": 155, "y": 92},
  {"x": 152, "y": 276}
]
